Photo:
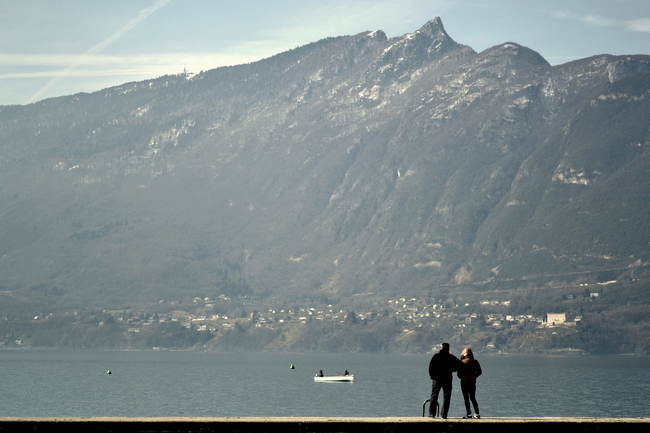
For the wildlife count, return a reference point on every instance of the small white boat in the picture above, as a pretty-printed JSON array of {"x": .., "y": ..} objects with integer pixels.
[{"x": 346, "y": 378}]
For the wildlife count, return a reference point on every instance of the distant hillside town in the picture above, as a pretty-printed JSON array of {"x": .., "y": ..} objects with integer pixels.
[{"x": 398, "y": 326}]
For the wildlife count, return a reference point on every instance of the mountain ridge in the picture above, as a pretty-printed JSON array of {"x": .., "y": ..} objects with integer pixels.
[{"x": 354, "y": 164}]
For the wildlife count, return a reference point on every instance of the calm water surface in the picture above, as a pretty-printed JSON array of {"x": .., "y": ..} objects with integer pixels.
[{"x": 76, "y": 384}]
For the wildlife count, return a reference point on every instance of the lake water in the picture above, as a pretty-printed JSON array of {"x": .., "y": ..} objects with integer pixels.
[{"x": 153, "y": 384}]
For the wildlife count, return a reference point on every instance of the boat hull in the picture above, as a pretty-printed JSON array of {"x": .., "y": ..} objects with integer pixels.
[{"x": 348, "y": 378}]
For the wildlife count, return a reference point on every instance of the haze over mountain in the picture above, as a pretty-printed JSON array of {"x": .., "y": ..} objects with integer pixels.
[{"x": 359, "y": 164}]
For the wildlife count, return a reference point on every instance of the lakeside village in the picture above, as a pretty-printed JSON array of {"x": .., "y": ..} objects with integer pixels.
[
  {"x": 413, "y": 313},
  {"x": 244, "y": 323}
]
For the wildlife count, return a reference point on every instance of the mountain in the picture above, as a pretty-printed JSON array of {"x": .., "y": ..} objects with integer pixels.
[{"x": 355, "y": 165}]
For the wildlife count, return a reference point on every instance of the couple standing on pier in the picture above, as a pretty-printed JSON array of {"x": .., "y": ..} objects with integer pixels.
[{"x": 441, "y": 367}]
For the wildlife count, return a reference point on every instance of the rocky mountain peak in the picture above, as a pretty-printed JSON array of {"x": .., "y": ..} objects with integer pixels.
[
  {"x": 434, "y": 29},
  {"x": 516, "y": 52},
  {"x": 413, "y": 50},
  {"x": 430, "y": 40}
]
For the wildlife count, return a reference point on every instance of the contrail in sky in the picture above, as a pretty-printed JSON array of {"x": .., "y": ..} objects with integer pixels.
[{"x": 142, "y": 15}]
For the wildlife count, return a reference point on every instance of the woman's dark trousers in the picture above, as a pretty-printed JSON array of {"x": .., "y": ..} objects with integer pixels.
[{"x": 469, "y": 393}]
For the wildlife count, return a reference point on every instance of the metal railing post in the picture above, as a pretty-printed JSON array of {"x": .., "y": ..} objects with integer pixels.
[{"x": 424, "y": 405}]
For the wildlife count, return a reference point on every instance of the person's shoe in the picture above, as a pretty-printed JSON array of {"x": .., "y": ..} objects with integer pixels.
[
  {"x": 477, "y": 416},
  {"x": 468, "y": 416}
]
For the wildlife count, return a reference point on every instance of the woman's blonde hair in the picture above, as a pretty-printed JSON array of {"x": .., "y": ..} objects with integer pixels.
[{"x": 467, "y": 353}]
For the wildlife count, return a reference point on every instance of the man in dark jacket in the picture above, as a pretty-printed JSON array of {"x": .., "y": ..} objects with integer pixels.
[{"x": 441, "y": 367}]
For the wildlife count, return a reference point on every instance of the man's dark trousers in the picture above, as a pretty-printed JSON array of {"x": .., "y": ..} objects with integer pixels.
[{"x": 445, "y": 385}]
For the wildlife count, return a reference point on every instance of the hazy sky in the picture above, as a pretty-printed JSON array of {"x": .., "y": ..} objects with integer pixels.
[{"x": 60, "y": 47}]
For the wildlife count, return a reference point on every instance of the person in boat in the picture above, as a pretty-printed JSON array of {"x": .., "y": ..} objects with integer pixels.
[
  {"x": 441, "y": 367},
  {"x": 468, "y": 381},
  {"x": 320, "y": 374},
  {"x": 346, "y": 373}
]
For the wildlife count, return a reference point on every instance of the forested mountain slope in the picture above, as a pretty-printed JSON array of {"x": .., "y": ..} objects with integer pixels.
[{"x": 410, "y": 166}]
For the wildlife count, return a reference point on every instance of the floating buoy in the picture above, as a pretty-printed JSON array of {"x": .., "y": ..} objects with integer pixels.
[
  {"x": 292, "y": 367},
  {"x": 109, "y": 372}
]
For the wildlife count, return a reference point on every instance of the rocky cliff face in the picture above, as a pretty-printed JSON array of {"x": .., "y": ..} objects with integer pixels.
[{"x": 351, "y": 165}]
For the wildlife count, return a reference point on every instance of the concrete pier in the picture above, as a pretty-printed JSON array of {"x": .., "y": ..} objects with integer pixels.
[{"x": 324, "y": 425}]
